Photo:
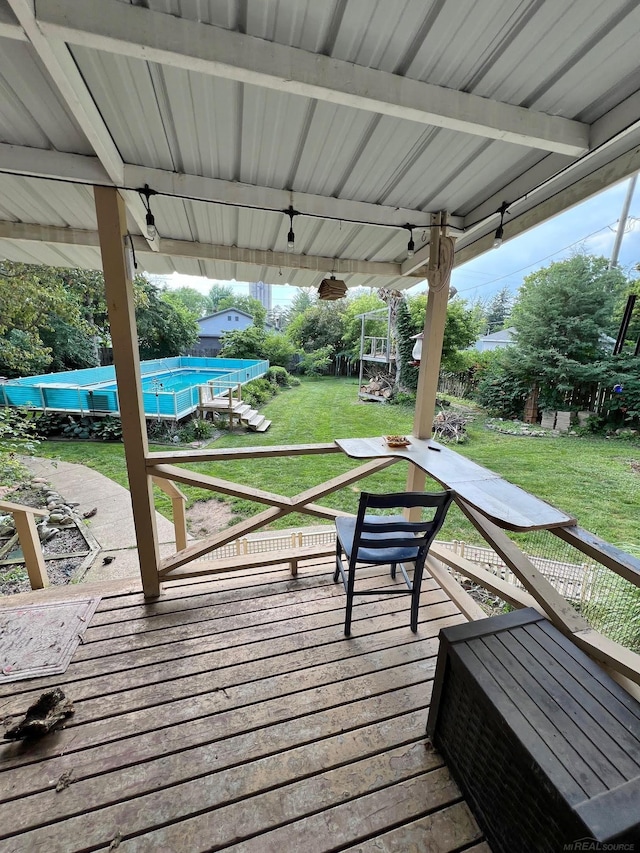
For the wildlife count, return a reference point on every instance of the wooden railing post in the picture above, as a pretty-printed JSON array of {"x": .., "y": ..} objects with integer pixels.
[
  {"x": 178, "y": 509},
  {"x": 24, "y": 519}
]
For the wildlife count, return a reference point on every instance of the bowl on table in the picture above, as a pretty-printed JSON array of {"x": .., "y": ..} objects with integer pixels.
[{"x": 396, "y": 441}]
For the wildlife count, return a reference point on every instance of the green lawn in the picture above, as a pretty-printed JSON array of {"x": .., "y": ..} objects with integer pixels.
[{"x": 586, "y": 477}]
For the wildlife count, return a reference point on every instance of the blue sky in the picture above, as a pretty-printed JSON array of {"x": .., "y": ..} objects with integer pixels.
[{"x": 589, "y": 226}]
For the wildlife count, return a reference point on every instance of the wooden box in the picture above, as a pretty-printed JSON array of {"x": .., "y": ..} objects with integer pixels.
[{"x": 544, "y": 744}]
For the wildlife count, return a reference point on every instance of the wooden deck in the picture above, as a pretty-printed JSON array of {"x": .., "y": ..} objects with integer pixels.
[{"x": 232, "y": 714}]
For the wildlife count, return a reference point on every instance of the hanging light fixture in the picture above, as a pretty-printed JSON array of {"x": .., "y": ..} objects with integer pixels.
[
  {"x": 331, "y": 289},
  {"x": 291, "y": 237},
  {"x": 411, "y": 246},
  {"x": 145, "y": 194},
  {"x": 499, "y": 235}
]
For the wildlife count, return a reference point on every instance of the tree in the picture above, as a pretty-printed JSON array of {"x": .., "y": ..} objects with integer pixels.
[
  {"x": 195, "y": 302},
  {"x": 561, "y": 314},
  {"x": 460, "y": 331},
  {"x": 352, "y": 323},
  {"x": 498, "y": 310},
  {"x": 248, "y": 304},
  {"x": 164, "y": 329},
  {"x": 320, "y": 325},
  {"x": 303, "y": 299},
  {"x": 278, "y": 350},
  {"x": 217, "y": 293},
  {"x": 407, "y": 372},
  {"x": 42, "y": 315},
  {"x": 248, "y": 343}
]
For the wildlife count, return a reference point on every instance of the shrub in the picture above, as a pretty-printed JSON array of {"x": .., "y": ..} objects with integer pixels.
[
  {"x": 196, "y": 429},
  {"x": 50, "y": 423},
  {"x": 17, "y": 435},
  {"x": 161, "y": 431},
  {"x": 317, "y": 362},
  {"x": 258, "y": 391},
  {"x": 77, "y": 428},
  {"x": 280, "y": 376},
  {"x": 107, "y": 429},
  {"x": 501, "y": 392},
  {"x": 402, "y": 398}
]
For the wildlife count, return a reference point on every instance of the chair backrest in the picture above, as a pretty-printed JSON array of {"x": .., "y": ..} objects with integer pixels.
[{"x": 419, "y": 534}]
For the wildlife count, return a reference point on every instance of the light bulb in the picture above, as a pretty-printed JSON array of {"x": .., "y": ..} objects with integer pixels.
[
  {"x": 411, "y": 246},
  {"x": 291, "y": 239},
  {"x": 497, "y": 240},
  {"x": 151, "y": 226}
]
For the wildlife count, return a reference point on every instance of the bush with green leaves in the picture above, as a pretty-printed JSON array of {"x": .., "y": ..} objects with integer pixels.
[
  {"x": 279, "y": 376},
  {"x": 402, "y": 398},
  {"x": 107, "y": 429},
  {"x": 500, "y": 390},
  {"x": 77, "y": 428},
  {"x": 258, "y": 391},
  {"x": 162, "y": 431},
  {"x": 17, "y": 435},
  {"x": 50, "y": 423},
  {"x": 318, "y": 362},
  {"x": 196, "y": 429}
]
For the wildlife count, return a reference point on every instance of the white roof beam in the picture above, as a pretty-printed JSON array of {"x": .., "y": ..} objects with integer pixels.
[
  {"x": 78, "y": 168},
  {"x": 581, "y": 188},
  {"x": 199, "y": 188},
  {"x": 42, "y": 163},
  {"x": 59, "y": 63},
  {"x": 157, "y": 37},
  {"x": 9, "y": 27},
  {"x": 25, "y": 232}
]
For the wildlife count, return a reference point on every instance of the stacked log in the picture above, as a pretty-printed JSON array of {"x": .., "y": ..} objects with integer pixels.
[{"x": 378, "y": 386}]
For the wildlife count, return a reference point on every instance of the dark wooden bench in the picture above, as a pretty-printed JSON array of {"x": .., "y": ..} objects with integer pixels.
[{"x": 543, "y": 743}]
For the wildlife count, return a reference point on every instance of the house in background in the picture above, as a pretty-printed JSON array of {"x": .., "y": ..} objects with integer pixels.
[
  {"x": 214, "y": 326},
  {"x": 496, "y": 340}
]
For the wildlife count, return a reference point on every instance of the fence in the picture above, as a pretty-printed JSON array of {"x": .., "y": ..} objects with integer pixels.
[
  {"x": 610, "y": 603},
  {"x": 93, "y": 391}
]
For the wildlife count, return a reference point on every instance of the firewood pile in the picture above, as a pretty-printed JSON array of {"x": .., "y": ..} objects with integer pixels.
[
  {"x": 379, "y": 385},
  {"x": 450, "y": 426}
]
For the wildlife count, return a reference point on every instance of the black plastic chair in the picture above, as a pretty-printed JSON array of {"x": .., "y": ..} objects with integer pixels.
[{"x": 377, "y": 540}]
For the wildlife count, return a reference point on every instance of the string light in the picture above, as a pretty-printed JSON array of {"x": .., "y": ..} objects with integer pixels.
[
  {"x": 411, "y": 246},
  {"x": 145, "y": 194},
  {"x": 499, "y": 235},
  {"x": 291, "y": 237}
]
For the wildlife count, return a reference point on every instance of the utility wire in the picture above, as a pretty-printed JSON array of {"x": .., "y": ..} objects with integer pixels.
[{"x": 522, "y": 269}]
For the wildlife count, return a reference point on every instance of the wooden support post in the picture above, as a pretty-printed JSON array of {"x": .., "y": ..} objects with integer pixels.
[
  {"x": 178, "y": 507},
  {"x": 30, "y": 544},
  {"x": 438, "y": 275},
  {"x": 112, "y": 229}
]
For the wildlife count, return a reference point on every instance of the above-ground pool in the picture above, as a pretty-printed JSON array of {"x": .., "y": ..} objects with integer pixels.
[{"x": 169, "y": 386}]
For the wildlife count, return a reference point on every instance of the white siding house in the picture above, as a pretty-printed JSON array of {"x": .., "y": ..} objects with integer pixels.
[{"x": 495, "y": 340}]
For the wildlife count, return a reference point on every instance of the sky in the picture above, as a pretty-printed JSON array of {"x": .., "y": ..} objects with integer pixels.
[{"x": 588, "y": 227}]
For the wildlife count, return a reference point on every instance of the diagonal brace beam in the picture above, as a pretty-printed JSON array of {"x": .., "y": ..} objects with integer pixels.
[{"x": 299, "y": 503}]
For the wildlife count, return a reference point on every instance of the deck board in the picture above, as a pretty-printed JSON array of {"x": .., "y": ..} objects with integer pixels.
[{"x": 233, "y": 714}]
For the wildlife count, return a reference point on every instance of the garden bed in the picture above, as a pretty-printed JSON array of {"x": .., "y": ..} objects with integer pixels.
[{"x": 67, "y": 554}]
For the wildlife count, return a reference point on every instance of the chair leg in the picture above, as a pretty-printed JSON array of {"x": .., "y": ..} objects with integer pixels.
[
  {"x": 394, "y": 566},
  {"x": 415, "y": 597},
  {"x": 336, "y": 574},
  {"x": 350, "y": 588}
]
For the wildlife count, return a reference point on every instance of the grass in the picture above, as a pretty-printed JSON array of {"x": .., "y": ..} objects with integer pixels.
[{"x": 590, "y": 478}]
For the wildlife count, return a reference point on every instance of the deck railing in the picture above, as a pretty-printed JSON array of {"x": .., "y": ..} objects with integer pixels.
[
  {"x": 24, "y": 518},
  {"x": 533, "y": 587}
]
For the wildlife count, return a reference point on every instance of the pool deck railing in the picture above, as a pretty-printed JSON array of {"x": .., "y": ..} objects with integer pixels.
[{"x": 85, "y": 392}]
